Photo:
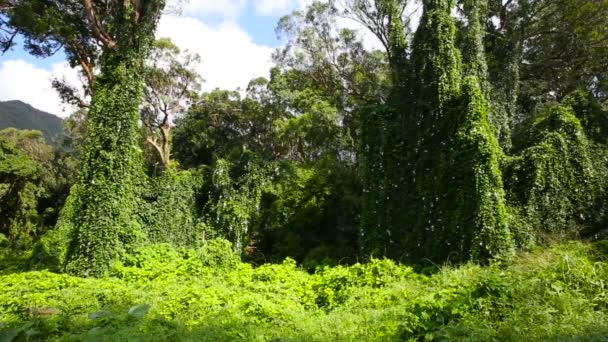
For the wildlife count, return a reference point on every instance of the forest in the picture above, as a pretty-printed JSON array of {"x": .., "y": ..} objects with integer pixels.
[{"x": 452, "y": 185}]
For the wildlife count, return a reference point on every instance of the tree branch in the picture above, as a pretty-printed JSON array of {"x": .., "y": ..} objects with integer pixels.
[
  {"x": 9, "y": 43},
  {"x": 98, "y": 32},
  {"x": 157, "y": 147},
  {"x": 86, "y": 66},
  {"x": 6, "y": 5},
  {"x": 137, "y": 5}
]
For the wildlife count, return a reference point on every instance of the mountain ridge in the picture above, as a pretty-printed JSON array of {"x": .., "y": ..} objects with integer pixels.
[{"x": 21, "y": 115}]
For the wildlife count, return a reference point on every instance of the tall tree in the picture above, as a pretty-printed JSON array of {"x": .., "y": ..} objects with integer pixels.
[
  {"x": 441, "y": 189},
  {"x": 25, "y": 172},
  {"x": 321, "y": 55},
  {"x": 101, "y": 215}
]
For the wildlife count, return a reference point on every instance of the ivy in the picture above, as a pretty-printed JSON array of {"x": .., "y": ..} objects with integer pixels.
[
  {"x": 234, "y": 193},
  {"x": 433, "y": 187},
  {"x": 167, "y": 208},
  {"x": 103, "y": 223},
  {"x": 556, "y": 180}
]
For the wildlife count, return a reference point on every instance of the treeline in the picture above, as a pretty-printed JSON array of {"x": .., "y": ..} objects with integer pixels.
[{"x": 481, "y": 132}]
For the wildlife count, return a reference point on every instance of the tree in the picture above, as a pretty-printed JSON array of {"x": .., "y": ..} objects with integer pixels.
[
  {"x": 331, "y": 60},
  {"x": 434, "y": 186},
  {"x": 540, "y": 51},
  {"x": 24, "y": 168},
  {"x": 171, "y": 85},
  {"x": 50, "y": 26},
  {"x": 120, "y": 33},
  {"x": 387, "y": 20},
  {"x": 34, "y": 182},
  {"x": 566, "y": 47},
  {"x": 211, "y": 129}
]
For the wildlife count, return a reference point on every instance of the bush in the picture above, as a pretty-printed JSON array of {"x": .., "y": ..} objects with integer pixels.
[{"x": 206, "y": 294}]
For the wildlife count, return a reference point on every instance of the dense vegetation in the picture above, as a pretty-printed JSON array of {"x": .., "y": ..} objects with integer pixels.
[
  {"x": 316, "y": 204},
  {"x": 207, "y": 294}
]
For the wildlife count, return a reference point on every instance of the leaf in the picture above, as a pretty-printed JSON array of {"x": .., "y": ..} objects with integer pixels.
[
  {"x": 9, "y": 335},
  {"x": 32, "y": 332},
  {"x": 100, "y": 314},
  {"x": 139, "y": 311}
]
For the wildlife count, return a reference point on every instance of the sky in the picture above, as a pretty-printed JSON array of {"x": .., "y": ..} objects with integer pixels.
[{"x": 235, "y": 39}]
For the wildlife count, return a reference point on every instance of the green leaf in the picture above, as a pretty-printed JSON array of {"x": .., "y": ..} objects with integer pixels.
[
  {"x": 9, "y": 335},
  {"x": 139, "y": 311},
  {"x": 100, "y": 314}
]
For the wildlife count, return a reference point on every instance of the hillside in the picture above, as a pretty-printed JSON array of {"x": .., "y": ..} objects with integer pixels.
[{"x": 23, "y": 116}]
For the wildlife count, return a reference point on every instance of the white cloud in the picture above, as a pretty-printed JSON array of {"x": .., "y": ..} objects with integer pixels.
[
  {"x": 233, "y": 8},
  {"x": 22, "y": 81},
  {"x": 230, "y": 58},
  {"x": 274, "y": 7},
  {"x": 226, "y": 8}
]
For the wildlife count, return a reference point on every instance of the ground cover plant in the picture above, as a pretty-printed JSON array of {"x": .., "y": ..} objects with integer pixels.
[{"x": 163, "y": 294}]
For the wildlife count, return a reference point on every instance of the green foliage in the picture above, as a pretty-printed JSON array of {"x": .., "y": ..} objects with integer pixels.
[
  {"x": 174, "y": 295},
  {"x": 433, "y": 186},
  {"x": 51, "y": 250},
  {"x": 557, "y": 177},
  {"x": 171, "y": 84},
  {"x": 271, "y": 182},
  {"x": 234, "y": 193},
  {"x": 439, "y": 75},
  {"x": 566, "y": 44},
  {"x": 167, "y": 207},
  {"x": 590, "y": 113},
  {"x": 159, "y": 260},
  {"x": 310, "y": 214},
  {"x": 28, "y": 184},
  {"x": 415, "y": 136},
  {"x": 211, "y": 129},
  {"x": 103, "y": 222}
]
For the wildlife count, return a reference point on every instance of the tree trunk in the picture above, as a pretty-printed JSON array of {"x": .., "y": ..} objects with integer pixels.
[{"x": 103, "y": 218}]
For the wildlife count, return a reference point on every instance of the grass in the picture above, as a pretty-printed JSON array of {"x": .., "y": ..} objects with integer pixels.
[{"x": 558, "y": 293}]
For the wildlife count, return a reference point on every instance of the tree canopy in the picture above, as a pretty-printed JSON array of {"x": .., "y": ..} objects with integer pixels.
[{"x": 478, "y": 132}]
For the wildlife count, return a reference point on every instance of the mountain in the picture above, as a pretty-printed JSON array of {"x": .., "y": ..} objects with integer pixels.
[{"x": 21, "y": 115}]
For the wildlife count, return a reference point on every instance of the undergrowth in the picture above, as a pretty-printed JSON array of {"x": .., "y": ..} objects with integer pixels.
[{"x": 163, "y": 294}]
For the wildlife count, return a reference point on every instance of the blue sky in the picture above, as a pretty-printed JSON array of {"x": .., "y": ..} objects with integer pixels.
[{"x": 259, "y": 26}]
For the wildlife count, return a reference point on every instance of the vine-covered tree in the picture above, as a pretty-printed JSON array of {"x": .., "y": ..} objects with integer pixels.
[
  {"x": 434, "y": 186},
  {"x": 119, "y": 35}
]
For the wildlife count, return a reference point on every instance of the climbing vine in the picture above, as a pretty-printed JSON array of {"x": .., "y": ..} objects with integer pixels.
[
  {"x": 167, "y": 208},
  {"x": 103, "y": 222},
  {"x": 434, "y": 188},
  {"x": 556, "y": 180},
  {"x": 233, "y": 198}
]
